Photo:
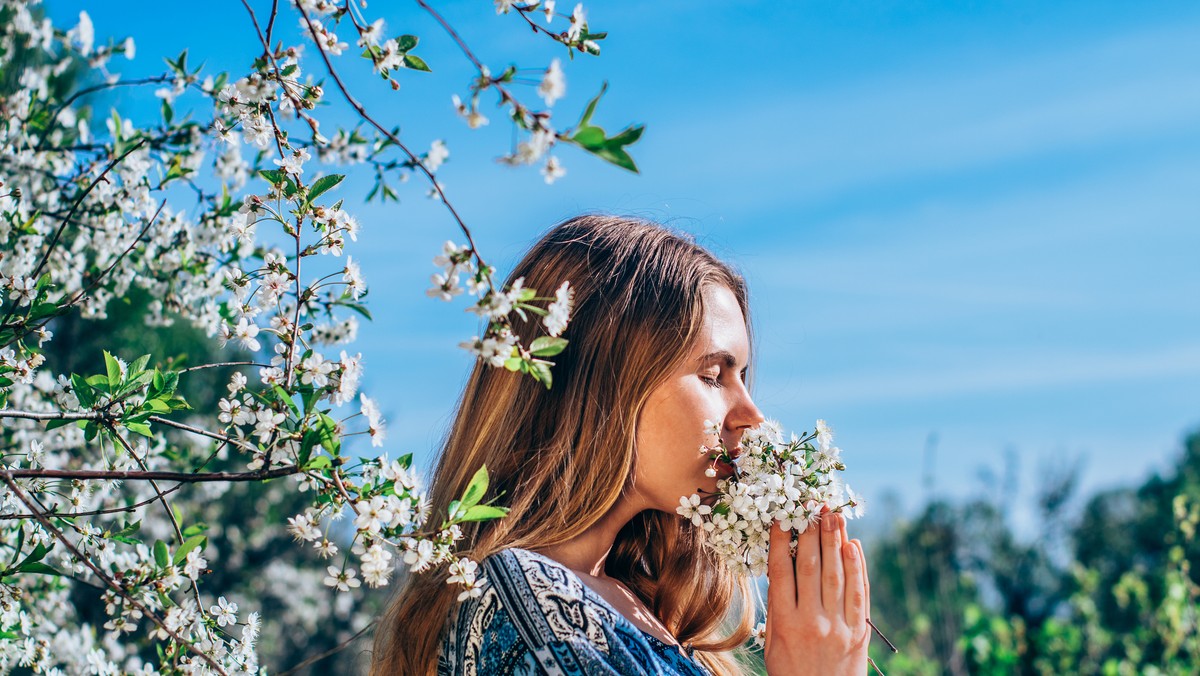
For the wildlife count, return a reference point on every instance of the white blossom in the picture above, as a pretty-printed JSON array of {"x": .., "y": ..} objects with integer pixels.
[
  {"x": 225, "y": 612},
  {"x": 558, "y": 313},
  {"x": 554, "y": 84},
  {"x": 774, "y": 481}
]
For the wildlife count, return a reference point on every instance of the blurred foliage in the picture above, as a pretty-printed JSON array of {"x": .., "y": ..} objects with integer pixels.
[{"x": 1106, "y": 589}]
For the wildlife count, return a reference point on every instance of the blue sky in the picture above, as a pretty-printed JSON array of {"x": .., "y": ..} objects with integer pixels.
[{"x": 976, "y": 221}]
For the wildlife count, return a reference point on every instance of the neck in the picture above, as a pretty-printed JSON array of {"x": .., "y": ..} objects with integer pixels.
[{"x": 587, "y": 552}]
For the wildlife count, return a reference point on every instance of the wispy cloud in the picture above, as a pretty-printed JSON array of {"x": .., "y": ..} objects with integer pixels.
[
  {"x": 961, "y": 118},
  {"x": 1038, "y": 372}
]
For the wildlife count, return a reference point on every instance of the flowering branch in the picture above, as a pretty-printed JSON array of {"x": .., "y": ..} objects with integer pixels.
[
  {"x": 8, "y": 477},
  {"x": 152, "y": 475}
]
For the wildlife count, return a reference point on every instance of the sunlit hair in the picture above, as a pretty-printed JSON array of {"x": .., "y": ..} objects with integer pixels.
[{"x": 560, "y": 458}]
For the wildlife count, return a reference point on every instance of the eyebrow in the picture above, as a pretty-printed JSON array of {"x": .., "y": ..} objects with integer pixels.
[{"x": 720, "y": 355}]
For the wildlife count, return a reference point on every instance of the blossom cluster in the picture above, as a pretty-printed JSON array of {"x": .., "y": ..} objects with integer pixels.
[
  {"x": 91, "y": 212},
  {"x": 775, "y": 480}
]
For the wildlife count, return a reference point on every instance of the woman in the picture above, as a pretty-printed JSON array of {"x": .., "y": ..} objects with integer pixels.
[{"x": 592, "y": 571}]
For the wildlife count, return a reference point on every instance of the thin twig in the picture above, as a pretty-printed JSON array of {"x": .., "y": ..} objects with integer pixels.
[
  {"x": 890, "y": 645},
  {"x": 202, "y": 432},
  {"x": 97, "y": 415},
  {"x": 224, "y": 363},
  {"x": 161, "y": 498},
  {"x": 129, "y": 248},
  {"x": 362, "y": 112},
  {"x": 88, "y": 90},
  {"x": 95, "y": 512},
  {"x": 271, "y": 19},
  {"x": 338, "y": 648}
]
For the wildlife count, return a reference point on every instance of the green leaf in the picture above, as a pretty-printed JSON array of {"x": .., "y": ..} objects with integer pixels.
[
  {"x": 273, "y": 176},
  {"x": 188, "y": 545},
  {"x": 167, "y": 112},
  {"x": 547, "y": 346},
  {"x": 162, "y": 555},
  {"x": 407, "y": 42},
  {"x": 55, "y": 424},
  {"x": 283, "y": 397},
  {"x": 319, "y": 462},
  {"x": 157, "y": 406},
  {"x": 589, "y": 137},
  {"x": 114, "y": 370},
  {"x": 310, "y": 439},
  {"x": 591, "y": 106},
  {"x": 126, "y": 533},
  {"x": 172, "y": 378},
  {"x": 513, "y": 364},
  {"x": 138, "y": 365},
  {"x": 41, "y": 568},
  {"x": 323, "y": 185},
  {"x": 541, "y": 371},
  {"x": 39, "y": 552},
  {"x": 617, "y": 156},
  {"x": 476, "y": 488},
  {"x": 359, "y": 308},
  {"x": 195, "y": 529},
  {"x": 483, "y": 513},
  {"x": 140, "y": 428},
  {"x": 327, "y": 429},
  {"x": 628, "y": 137},
  {"x": 416, "y": 63},
  {"x": 41, "y": 310}
]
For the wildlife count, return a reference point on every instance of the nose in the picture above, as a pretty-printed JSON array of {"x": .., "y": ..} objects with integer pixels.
[{"x": 743, "y": 415}]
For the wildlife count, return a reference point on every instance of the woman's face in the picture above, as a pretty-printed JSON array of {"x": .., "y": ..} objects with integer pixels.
[{"x": 710, "y": 385}]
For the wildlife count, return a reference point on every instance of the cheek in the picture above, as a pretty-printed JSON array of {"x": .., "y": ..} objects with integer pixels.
[{"x": 672, "y": 431}]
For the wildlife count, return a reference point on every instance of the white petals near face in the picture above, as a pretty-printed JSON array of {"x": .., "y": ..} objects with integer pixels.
[{"x": 777, "y": 480}]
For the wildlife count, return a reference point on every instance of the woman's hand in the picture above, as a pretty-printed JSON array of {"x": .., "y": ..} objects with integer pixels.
[{"x": 818, "y": 604}]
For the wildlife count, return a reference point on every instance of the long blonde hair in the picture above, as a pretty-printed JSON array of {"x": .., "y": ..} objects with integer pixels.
[{"x": 560, "y": 458}]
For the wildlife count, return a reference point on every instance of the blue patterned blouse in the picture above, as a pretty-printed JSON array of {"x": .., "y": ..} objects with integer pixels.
[{"x": 536, "y": 616}]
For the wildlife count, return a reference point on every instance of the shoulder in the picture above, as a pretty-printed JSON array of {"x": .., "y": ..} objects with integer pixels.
[
  {"x": 535, "y": 611},
  {"x": 547, "y": 599}
]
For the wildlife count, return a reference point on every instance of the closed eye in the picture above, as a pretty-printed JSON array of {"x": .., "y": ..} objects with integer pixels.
[{"x": 711, "y": 381}]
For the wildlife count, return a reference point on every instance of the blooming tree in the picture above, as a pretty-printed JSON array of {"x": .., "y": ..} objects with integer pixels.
[{"x": 107, "y": 473}]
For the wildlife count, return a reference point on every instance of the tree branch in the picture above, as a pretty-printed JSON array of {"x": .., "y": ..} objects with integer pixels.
[{"x": 132, "y": 475}]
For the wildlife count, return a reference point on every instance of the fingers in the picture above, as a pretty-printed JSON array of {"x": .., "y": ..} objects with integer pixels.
[
  {"x": 808, "y": 570},
  {"x": 781, "y": 592},
  {"x": 833, "y": 578},
  {"x": 856, "y": 593},
  {"x": 866, "y": 579}
]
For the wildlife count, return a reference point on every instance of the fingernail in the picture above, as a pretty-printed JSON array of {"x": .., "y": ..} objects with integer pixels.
[
  {"x": 828, "y": 523},
  {"x": 851, "y": 552}
]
